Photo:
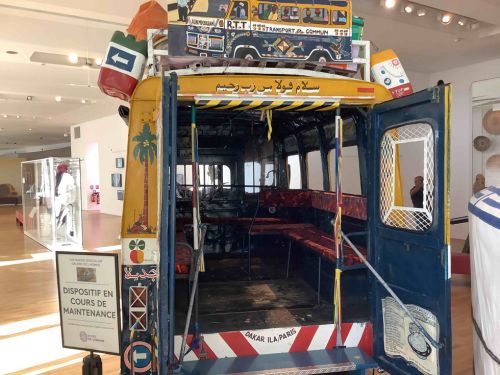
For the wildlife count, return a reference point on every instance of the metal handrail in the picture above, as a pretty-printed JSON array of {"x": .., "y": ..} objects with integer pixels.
[{"x": 422, "y": 330}]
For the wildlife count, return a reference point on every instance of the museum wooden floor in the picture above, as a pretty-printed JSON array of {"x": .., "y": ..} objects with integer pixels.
[{"x": 30, "y": 340}]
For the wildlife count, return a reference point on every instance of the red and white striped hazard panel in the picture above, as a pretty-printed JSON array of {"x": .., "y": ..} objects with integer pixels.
[{"x": 278, "y": 340}]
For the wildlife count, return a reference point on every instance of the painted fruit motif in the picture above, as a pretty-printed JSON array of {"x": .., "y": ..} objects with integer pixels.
[
  {"x": 136, "y": 251},
  {"x": 137, "y": 256}
]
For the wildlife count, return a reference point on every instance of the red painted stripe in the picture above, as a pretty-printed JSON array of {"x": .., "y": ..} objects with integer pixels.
[
  {"x": 346, "y": 328},
  {"x": 207, "y": 353},
  {"x": 366, "y": 341},
  {"x": 331, "y": 341},
  {"x": 366, "y": 89},
  {"x": 303, "y": 339},
  {"x": 189, "y": 340},
  {"x": 239, "y": 344}
]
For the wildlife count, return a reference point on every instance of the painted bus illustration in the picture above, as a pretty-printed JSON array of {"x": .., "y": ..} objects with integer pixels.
[{"x": 319, "y": 30}]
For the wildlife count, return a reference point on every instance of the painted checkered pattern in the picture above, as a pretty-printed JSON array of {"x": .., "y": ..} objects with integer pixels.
[{"x": 277, "y": 340}]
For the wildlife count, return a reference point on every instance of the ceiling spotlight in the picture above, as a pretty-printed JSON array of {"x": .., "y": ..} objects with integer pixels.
[
  {"x": 389, "y": 3},
  {"x": 29, "y": 98},
  {"x": 5, "y": 116},
  {"x": 65, "y": 134},
  {"x": 57, "y": 99},
  {"x": 445, "y": 18},
  {"x": 421, "y": 12},
  {"x": 98, "y": 61},
  {"x": 18, "y": 116},
  {"x": 462, "y": 21},
  {"x": 73, "y": 58},
  {"x": 84, "y": 101},
  {"x": 30, "y": 129},
  {"x": 409, "y": 8}
]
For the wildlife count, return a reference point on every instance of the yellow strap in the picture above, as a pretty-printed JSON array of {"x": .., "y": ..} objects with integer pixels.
[
  {"x": 269, "y": 116},
  {"x": 337, "y": 309}
]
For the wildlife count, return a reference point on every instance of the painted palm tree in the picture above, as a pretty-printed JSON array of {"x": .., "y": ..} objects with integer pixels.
[{"x": 145, "y": 150}]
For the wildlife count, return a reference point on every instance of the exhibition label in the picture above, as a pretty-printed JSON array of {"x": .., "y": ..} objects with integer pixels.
[{"x": 89, "y": 301}]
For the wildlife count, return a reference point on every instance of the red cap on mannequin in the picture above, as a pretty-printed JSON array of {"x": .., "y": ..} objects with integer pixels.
[{"x": 62, "y": 168}]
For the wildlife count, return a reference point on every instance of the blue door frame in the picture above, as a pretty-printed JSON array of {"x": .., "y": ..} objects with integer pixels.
[
  {"x": 166, "y": 284},
  {"x": 415, "y": 264}
]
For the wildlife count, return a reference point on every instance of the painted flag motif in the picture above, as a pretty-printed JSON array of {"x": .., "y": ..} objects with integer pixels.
[{"x": 123, "y": 66}]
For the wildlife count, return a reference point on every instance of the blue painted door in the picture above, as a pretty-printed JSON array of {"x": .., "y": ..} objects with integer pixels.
[{"x": 409, "y": 232}]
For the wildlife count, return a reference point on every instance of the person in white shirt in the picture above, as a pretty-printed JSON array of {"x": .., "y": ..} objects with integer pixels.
[{"x": 182, "y": 8}]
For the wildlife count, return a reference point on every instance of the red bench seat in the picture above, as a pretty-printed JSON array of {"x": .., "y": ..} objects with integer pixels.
[
  {"x": 324, "y": 244},
  {"x": 309, "y": 236},
  {"x": 278, "y": 228}
]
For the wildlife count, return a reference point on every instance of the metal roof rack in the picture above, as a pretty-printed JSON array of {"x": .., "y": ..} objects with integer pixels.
[{"x": 205, "y": 65}]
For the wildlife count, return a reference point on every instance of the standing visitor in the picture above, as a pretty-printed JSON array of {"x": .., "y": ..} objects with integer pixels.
[
  {"x": 417, "y": 192},
  {"x": 182, "y": 8}
]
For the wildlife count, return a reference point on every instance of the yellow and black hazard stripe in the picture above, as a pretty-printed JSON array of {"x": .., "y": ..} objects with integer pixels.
[{"x": 266, "y": 104}]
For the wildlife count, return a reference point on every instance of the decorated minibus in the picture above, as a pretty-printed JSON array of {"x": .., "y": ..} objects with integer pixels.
[{"x": 264, "y": 29}]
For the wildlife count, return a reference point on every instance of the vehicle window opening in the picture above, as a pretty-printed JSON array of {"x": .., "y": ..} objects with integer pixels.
[
  {"x": 268, "y": 12},
  {"x": 407, "y": 177},
  {"x": 315, "y": 16},
  {"x": 239, "y": 11},
  {"x": 289, "y": 14},
  {"x": 339, "y": 17},
  {"x": 351, "y": 178},
  {"x": 294, "y": 177},
  {"x": 314, "y": 170}
]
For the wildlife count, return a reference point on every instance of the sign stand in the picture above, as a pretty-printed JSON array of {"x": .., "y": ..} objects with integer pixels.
[{"x": 92, "y": 364}]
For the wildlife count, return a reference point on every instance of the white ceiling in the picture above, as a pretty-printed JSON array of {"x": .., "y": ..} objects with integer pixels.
[{"x": 85, "y": 27}]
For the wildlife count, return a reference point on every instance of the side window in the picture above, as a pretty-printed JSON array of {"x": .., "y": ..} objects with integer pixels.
[
  {"x": 226, "y": 177},
  {"x": 351, "y": 179},
  {"x": 294, "y": 178},
  {"x": 289, "y": 14},
  {"x": 240, "y": 11},
  {"x": 181, "y": 175},
  {"x": 270, "y": 174},
  {"x": 252, "y": 177},
  {"x": 339, "y": 17},
  {"x": 315, "y": 16},
  {"x": 268, "y": 12},
  {"x": 314, "y": 171},
  {"x": 184, "y": 178},
  {"x": 407, "y": 177}
]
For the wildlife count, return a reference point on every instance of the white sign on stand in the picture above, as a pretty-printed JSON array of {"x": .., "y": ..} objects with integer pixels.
[{"x": 89, "y": 304}]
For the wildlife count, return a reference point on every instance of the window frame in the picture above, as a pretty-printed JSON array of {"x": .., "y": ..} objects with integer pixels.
[
  {"x": 429, "y": 175},
  {"x": 313, "y": 22}
]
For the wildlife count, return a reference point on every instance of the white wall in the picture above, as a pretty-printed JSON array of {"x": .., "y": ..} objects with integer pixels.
[
  {"x": 110, "y": 134},
  {"x": 419, "y": 81},
  {"x": 461, "y": 132}
]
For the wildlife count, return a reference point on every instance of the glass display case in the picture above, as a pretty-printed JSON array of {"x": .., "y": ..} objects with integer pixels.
[{"x": 52, "y": 202}]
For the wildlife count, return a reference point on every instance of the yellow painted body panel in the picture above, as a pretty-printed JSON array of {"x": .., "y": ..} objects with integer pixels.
[
  {"x": 349, "y": 91},
  {"x": 144, "y": 109}
]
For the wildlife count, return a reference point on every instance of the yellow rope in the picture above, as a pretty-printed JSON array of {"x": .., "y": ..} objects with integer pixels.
[{"x": 269, "y": 116}]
